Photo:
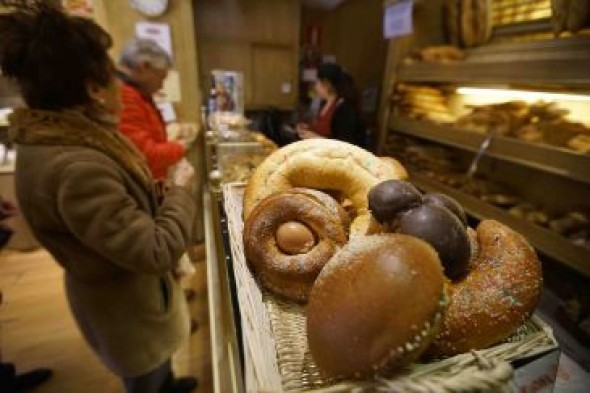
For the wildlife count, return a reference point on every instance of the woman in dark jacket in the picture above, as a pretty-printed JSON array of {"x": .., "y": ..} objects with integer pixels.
[
  {"x": 88, "y": 195},
  {"x": 339, "y": 117}
]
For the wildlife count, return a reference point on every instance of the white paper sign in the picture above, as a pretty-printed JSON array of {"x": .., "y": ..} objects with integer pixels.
[
  {"x": 159, "y": 32},
  {"x": 310, "y": 74},
  {"x": 397, "y": 20},
  {"x": 171, "y": 90},
  {"x": 538, "y": 376},
  {"x": 167, "y": 111},
  {"x": 571, "y": 377},
  {"x": 286, "y": 88}
]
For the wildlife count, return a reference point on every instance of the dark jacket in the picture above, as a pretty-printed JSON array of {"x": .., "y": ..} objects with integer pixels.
[{"x": 347, "y": 125}]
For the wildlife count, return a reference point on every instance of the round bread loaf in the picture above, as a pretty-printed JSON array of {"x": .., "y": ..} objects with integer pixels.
[
  {"x": 323, "y": 164},
  {"x": 290, "y": 236},
  {"x": 498, "y": 294},
  {"x": 375, "y": 306}
]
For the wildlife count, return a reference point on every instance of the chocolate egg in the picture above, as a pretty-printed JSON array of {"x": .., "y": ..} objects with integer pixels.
[
  {"x": 295, "y": 238},
  {"x": 442, "y": 230},
  {"x": 443, "y": 200},
  {"x": 388, "y": 199}
]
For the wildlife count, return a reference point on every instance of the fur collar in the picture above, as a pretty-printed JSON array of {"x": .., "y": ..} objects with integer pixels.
[{"x": 76, "y": 128}]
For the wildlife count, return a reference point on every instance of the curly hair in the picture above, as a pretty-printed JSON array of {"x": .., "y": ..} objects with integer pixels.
[{"x": 51, "y": 55}]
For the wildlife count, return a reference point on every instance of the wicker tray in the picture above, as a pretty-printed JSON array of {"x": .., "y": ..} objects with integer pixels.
[{"x": 277, "y": 358}]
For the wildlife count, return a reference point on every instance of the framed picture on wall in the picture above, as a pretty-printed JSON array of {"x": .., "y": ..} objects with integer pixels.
[{"x": 229, "y": 91}]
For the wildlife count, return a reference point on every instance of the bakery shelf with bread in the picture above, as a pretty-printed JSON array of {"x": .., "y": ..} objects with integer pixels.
[
  {"x": 344, "y": 282},
  {"x": 561, "y": 62},
  {"x": 545, "y": 240},
  {"x": 559, "y": 161},
  {"x": 561, "y": 231}
]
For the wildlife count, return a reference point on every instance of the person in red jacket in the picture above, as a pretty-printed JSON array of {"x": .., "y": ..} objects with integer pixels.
[{"x": 143, "y": 67}]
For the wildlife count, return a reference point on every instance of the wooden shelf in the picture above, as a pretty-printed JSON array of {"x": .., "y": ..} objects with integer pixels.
[
  {"x": 550, "y": 62},
  {"x": 549, "y": 159},
  {"x": 547, "y": 242}
]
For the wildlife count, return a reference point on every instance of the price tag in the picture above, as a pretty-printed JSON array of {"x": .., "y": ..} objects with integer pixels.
[
  {"x": 538, "y": 376},
  {"x": 397, "y": 20}
]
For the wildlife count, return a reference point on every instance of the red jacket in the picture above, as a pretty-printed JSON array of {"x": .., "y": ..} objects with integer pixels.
[{"x": 142, "y": 123}]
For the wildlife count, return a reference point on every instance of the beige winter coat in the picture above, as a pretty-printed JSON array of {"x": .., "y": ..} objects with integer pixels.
[{"x": 88, "y": 197}]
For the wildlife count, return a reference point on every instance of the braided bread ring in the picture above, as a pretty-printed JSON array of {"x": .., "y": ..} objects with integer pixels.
[{"x": 325, "y": 165}]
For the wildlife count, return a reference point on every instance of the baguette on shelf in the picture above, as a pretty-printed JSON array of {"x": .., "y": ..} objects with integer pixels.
[
  {"x": 468, "y": 22},
  {"x": 570, "y": 15},
  {"x": 422, "y": 103},
  {"x": 441, "y": 54}
]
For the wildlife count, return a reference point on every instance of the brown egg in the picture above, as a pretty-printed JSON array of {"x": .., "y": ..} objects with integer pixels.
[{"x": 295, "y": 238}]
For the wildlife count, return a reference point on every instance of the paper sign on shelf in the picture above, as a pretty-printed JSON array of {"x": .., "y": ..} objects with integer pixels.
[
  {"x": 397, "y": 19},
  {"x": 171, "y": 90},
  {"x": 167, "y": 111},
  {"x": 159, "y": 32}
]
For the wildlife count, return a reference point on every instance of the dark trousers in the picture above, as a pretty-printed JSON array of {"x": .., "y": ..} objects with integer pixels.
[
  {"x": 8, "y": 378},
  {"x": 156, "y": 381}
]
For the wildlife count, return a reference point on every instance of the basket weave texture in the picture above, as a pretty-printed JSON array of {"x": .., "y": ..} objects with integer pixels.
[{"x": 277, "y": 357}]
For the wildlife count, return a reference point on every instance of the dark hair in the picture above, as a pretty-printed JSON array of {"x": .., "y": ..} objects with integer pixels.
[
  {"x": 331, "y": 73},
  {"x": 341, "y": 81},
  {"x": 51, "y": 55}
]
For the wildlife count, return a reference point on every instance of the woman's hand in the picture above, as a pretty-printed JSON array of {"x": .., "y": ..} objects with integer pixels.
[{"x": 183, "y": 173}]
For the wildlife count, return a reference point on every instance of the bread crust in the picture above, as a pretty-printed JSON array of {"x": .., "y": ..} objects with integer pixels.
[
  {"x": 291, "y": 276},
  {"x": 500, "y": 292},
  {"x": 375, "y": 306},
  {"x": 323, "y": 164}
]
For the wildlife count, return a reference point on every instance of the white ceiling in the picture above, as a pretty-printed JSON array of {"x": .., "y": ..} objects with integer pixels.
[{"x": 326, "y": 4}]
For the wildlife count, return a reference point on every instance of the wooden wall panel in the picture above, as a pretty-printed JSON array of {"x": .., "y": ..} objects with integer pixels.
[
  {"x": 276, "y": 21},
  {"x": 353, "y": 33},
  {"x": 272, "y": 64},
  {"x": 238, "y": 35}
]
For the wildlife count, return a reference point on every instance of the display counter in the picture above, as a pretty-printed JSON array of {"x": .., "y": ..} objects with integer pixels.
[
  {"x": 230, "y": 356},
  {"x": 227, "y": 159}
]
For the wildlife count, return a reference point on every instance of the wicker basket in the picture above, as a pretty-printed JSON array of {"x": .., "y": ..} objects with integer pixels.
[{"x": 277, "y": 357}]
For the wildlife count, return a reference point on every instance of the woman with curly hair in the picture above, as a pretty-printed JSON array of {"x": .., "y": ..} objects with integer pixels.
[{"x": 89, "y": 198}]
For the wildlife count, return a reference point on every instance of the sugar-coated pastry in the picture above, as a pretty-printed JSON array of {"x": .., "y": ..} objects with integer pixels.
[
  {"x": 290, "y": 236},
  {"x": 499, "y": 293}
]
